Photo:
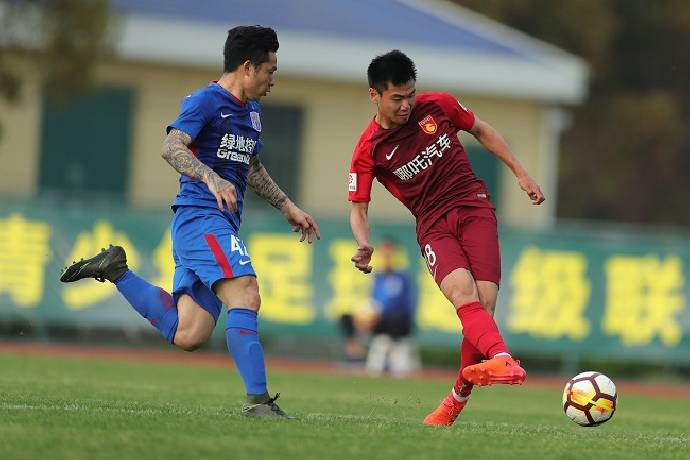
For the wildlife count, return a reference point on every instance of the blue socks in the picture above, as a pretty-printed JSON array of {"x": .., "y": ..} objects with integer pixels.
[
  {"x": 242, "y": 332},
  {"x": 242, "y": 336},
  {"x": 152, "y": 302}
]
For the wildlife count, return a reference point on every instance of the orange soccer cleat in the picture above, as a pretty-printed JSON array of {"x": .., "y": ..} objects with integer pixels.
[
  {"x": 446, "y": 412},
  {"x": 500, "y": 369}
]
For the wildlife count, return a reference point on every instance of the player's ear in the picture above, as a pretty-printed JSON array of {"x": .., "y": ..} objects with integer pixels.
[
  {"x": 374, "y": 95},
  {"x": 247, "y": 67}
]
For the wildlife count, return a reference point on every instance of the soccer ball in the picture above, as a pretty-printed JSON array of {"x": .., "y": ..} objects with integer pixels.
[{"x": 589, "y": 398}]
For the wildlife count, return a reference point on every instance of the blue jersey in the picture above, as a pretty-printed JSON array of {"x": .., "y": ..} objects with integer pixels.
[
  {"x": 393, "y": 292},
  {"x": 225, "y": 135}
]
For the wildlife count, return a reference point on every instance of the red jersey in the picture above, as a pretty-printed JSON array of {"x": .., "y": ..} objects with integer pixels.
[{"x": 422, "y": 163}]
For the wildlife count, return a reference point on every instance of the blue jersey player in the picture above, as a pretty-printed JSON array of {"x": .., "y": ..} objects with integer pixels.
[{"x": 215, "y": 144}]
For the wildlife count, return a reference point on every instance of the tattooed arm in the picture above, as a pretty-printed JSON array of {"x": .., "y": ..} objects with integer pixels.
[
  {"x": 176, "y": 152},
  {"x": 266, "y": 188},
  {"x": 264, "y": 185}
]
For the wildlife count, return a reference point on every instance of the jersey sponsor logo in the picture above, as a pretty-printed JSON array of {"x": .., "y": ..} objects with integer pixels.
[
  {"x": 236, "y": 148},
  {"x": 352, "y": 184},
  {"x": 424, "y": 159},
  {"x": 256, "y": 120},
  {"x": 234, "y": 156},
  {"x": 481, "y": 195},
  {"x": 390, "y": 155},
  {"x": 428, "y": 125}
]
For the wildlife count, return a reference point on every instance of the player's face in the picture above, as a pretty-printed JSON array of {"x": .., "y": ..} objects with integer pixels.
[
  {"x": 263, "y": 78},
  {"x": 395, "y": 103}
]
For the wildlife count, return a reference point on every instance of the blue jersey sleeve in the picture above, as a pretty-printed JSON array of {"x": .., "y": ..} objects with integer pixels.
[
  {"x": 194, "y": 114},
  {"x": 259, "y": 146}
]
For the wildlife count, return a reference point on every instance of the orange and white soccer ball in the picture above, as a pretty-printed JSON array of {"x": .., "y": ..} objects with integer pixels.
[{"x": 589, "y": 398}]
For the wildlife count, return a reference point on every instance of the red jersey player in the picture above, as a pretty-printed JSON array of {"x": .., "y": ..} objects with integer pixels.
[{"x": 411, "y": 146}]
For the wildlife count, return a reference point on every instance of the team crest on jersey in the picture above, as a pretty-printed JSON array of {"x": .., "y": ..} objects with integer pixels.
[
  {"x": 428, "y": 125},
  {"x": 256, "y": 120}
]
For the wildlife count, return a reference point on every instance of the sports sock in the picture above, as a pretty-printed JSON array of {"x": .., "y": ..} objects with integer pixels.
[
  {"x": 459, "y": 398},
  {"x": 242, "y": 337},
  {"x": 468, "y": 356},
  {"x": 480, "y": 329},
  {"x": 151, "y": 302}
]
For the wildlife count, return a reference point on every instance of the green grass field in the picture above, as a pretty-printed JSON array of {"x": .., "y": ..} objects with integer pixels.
[{"x": 71, "y": 408}]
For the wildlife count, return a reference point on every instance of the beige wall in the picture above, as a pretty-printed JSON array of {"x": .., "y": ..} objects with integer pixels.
[
  {"x": 335, "y": 115},
  {"x": 20, "y": 139}
]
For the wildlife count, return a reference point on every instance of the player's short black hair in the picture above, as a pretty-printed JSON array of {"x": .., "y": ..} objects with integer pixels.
[
  {"x": 393, "y": 67},
  {"x": 248, "y": 43}
]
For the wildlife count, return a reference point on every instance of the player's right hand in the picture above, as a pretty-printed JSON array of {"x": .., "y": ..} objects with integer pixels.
[
  {"x": 529, "y": 186},
  {"x": 224, "y": 192},
  {"x": 362, "y": 258}
]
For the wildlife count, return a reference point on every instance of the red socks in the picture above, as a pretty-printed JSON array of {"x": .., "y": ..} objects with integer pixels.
[
  {"x": 468, "y": 356},
  {"x": 480, "y": 330}
]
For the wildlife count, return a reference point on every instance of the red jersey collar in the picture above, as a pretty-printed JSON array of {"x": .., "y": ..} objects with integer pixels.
[{"x": 237, "y": 101}]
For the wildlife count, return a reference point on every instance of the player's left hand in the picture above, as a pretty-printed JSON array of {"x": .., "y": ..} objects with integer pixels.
[
  {"x": 532, "y": 189},
  {"x": 362, "y": 258},
  {"x": 301, "y": 221}
]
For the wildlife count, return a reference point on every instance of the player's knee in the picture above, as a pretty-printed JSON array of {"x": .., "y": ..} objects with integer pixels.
[
  {"x": 250, "y": 294},
  {"x": 253, "y": 300},
  {"x": 462, "y": 293},
  {"x": 489, "y": 306},
  {"x": 189, "y": 341},
  {"x": 193, "y": 346}
]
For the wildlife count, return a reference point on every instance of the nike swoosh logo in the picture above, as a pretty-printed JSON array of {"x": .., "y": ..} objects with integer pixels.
[
  {"x": 244, "y": 262},
  {"x": 225, "y": 115},
  {"x": 390, "y": 155}
]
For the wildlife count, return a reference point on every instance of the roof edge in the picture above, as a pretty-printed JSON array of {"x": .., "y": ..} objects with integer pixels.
[{"x": 559, "y": 79}]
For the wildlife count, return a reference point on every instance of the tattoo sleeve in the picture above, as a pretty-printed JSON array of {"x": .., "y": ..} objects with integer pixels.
[
  {"x": 264, "y": 185},
  {"x": 176, "y": 152}
]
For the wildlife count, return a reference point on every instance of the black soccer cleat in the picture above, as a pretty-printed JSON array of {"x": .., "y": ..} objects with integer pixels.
[
  {"x": 110, "y": 264},
  {"x": 267, "y": 408}
]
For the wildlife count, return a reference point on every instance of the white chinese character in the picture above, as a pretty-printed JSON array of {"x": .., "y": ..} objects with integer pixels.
[
  {"x": 403, "y": 172},
  {"x": 431, "y": 151},
  {"x": 418, "y": 163},
  {"x": 241, "y": 143},
  {"x": 413, "y": 167},
  {"x": 443, "y": 142},
  {"x": 228, "y": 141}
]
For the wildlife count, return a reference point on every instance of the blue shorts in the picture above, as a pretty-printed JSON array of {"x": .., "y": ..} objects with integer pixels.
[{"x": 206, "y": 249}]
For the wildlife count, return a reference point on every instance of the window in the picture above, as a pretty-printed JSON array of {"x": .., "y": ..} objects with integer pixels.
[
  {"x": 85, "y": 145},
  {"x": 486, "y": 167},
  {"x": 282, "y": 137}
]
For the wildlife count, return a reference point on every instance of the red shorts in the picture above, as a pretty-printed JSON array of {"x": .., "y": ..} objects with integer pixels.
[{"x": 465, "y": 237}]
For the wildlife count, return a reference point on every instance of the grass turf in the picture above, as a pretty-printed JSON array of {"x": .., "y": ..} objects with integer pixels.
[{"x": 84, "y": 409}]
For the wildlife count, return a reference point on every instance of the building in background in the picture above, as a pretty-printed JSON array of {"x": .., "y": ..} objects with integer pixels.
[
  {"x": 570, "y": 291},
  {"x": 317, "y": 111}
]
